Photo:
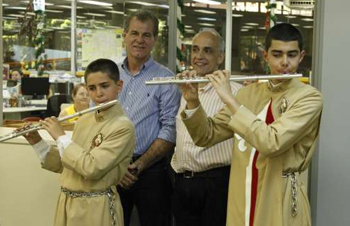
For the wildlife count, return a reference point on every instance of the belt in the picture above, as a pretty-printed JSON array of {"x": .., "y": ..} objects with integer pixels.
[
  {"x": 108, "y": 193},
  {"x": 294, "y": 190},
  {"x": 215, "y": 172}
]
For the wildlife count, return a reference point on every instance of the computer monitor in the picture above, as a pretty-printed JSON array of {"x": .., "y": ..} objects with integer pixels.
[{"x": 35, "y": 86}]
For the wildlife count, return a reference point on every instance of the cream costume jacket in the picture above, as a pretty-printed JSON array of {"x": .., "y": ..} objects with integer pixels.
[
  {"x": 96, "y": 160},
  {"x": 285, "y": 146}
]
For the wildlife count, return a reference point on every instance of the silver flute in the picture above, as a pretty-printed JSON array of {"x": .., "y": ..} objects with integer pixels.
[
  {"x": 31, "y": 128},
  {"x": 234, "y": 78}
]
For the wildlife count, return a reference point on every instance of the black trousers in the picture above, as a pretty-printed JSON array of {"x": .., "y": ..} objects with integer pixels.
[
  {"x": 151, "y": 195},
  {"x": 201, "y": 199}
]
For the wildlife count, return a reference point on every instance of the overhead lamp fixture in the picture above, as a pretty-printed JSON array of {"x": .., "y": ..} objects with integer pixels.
[
  {"x": 95, "y": 14},
  {"x": 206, "y": 24},
  {"x": 210, "y": 2},
  {"x": 132, "y": 10},
  {"x": 9, "y": 18},
  {"x": 308, "y": 19},
  {"x": 96, "y": 3},
  {"x": 191, "y": 31},
  {"x": 237, "y": 15},
  {"x": 53, "y": 11},
  {"x": 308, "y": 27},
  {"x": 244, "y": 30},
  {"x": 142, "y": 3},
  {"x": 68, "y": 7},
  {"x": 206, "y": 18},
  {"x": 296, "y": 25},
  {"x": 16, "y": 7},
  {"x": 252, "y": 24},
  {"x": 81, "y": 17},
  {"x": 291, "y": 16},
  {"x": 115, "y": 12},
  {"x": 113, "y": 27},
  {"x": 16, "y": 15},
  {"x": 204, "y": 11},
  {"x": 4, "y": 4},
  {"x": 188, "y": 26}
]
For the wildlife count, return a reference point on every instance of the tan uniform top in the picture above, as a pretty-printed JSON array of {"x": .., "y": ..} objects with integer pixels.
[
  {"x": 96, "y": 160},
  {"x": 286, "y": 145}
]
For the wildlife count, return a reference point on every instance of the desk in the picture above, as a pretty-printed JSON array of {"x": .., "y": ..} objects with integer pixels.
[
  {"x": 20, "y": 112},
  {"x": 28, "y": 194}
]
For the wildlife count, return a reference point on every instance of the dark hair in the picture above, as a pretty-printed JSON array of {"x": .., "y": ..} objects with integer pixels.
[
  {"x": 142, "y": 15},
  {"x": 105, "y": 66},
  {"x": 76, "y": 88},
  {"x": 284, "y": 32}
]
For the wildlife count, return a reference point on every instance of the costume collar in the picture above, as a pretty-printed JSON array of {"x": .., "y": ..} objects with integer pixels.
[{"x": 109, "y": 113}]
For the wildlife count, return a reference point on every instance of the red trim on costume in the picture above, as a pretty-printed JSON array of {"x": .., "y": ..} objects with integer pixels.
[{"x": 255, "y": 172}]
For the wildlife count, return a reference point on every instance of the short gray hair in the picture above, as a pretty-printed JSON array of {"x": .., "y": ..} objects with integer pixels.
[{"x": 215, "y": 33}]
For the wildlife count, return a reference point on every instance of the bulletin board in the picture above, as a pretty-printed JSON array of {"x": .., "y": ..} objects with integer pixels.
[{"x": 106, "y": 43}]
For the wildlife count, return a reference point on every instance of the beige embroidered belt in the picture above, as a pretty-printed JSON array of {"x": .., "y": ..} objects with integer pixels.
[
  {"x": 294, "y": 191},
  {"x": 108, "y": 193}
]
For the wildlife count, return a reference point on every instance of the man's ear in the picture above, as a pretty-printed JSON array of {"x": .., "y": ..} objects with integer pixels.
[
  {"x": 221, "y": 58},
  {"x": 119, "y": 86},
  {"x": 265, "y": 55},
  {"x": 302, "y": 54}
]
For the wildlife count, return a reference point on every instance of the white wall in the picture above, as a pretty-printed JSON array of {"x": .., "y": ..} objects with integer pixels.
[{"x": 330, "y": 181}]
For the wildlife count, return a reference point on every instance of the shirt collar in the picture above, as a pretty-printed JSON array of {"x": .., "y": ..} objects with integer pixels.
[{"x": 144, "y": 67}]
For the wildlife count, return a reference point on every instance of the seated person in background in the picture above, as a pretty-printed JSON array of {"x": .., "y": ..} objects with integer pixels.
[
  {"x": 14, "y": 83},
  {"x": 81, "y": 101},
  {"x": 16, "y": 74},
  {"x": 94, "y": 160}
]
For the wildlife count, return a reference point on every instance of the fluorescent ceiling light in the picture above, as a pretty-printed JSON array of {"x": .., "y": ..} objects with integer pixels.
[
  {"x": 29, "y": 13},
  {"x": 204, "y": 11},
  {"x": 307, "y": 19},
  {"x": 16, "y": 15},
  {"x": 308, "y": 27},
  {"x": 291, "y": 16},
  {"x": 252, "y": 24},
  {"x": 9, "y": 18},
  {"x": 210, "y": 2},
  {"x": 244, "y": 30},
  {"x": 95, "y": 14},
  {"x": 16, "y": 7},
  {"x": 113, "y": 27},
  {"x": 4, "y": 4},
  {"x": 247, "y": 27},
  {"x": 132, "y": 10},
  {"x": 68, "y": 7},
  {"x": 142, "y": 3},
  {"x": 190, "y": 31},
  {"x": 81, "y": 17},
  {"x": 115, "y": 12},
  {"x": 206, "y": 24},
  {"x": 96, "y": 3},
  {"x": 206, "y": 18},
  {"x": 53, "y": 11},
  {"x": 237, "y": 15},
  {"x": 188, "y": 26},
  {"x": 296, "y": 25}
]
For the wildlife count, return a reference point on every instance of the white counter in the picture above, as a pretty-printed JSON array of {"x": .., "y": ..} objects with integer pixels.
[{"x": 28, "y": 193}]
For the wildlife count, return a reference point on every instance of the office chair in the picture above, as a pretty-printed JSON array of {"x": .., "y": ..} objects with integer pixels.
[{"x": 54, "y": 104}]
